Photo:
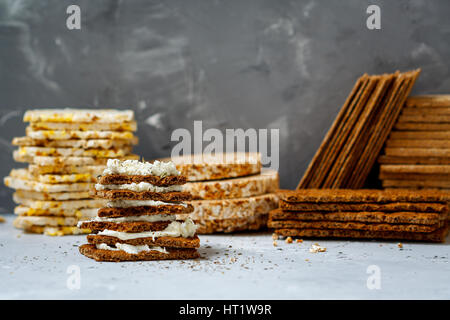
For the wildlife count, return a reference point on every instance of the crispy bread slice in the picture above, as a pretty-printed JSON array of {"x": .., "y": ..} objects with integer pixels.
[{"x": 79, "y": 115}]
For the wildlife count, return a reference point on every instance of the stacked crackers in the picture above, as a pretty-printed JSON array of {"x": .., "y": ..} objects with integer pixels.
[
  {"x": 377, "y": 214},
  {"x": 230, "y": 191},
  {"x": 352, "y": 144},
  {"x": 417, "y": 153},
  {"x": 139, "y": 220},
  {"x": 66, "y": 149}
]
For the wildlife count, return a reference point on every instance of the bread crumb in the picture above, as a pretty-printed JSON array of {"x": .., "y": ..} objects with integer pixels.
[
  {"x": 233, "y": 259},
  {"x": 2, "y": 219},
  {"x": 275, "y": 244},
  {"x": 400, "y": 245},
  {"x": 288, "y": 240},
  {"x": 274, "y": 236},
  {"x": 317, "y": 248},
  {"x": 299, "y": 240}
]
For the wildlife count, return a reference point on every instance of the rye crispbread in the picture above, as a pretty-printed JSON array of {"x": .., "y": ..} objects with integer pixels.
[
  {"x": 358, "y": 207},
  {"x": 418, "y": 152},
  {"x": 429, "y": 101},
  {"x": 414, "y": 111},
  {"x": 424, "y": 118},
  {"x": 421, "y": 184},
  {"x": 418, "y": 135},
  {"x": 445, "y": 177},
  {"x": 251, "y": 223},
  {"x": 384, "y": 159},
  {"x": 362, "y": 216},
  {"x": 438, "y": 235},
  {"x": 408, "y": 126},
  {"x": 89, "y": 250},
  {"x": 172, "y": 242},
  {"x": 126, "y": 226},
  {"x": 175, "y": 196},
  {"x": 155, "y": 180},
  {"x": 148, "y": 210},
  {"x": 403, "y": 143}
]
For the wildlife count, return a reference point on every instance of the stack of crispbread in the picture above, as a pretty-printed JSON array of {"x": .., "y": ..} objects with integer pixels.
[
  {"x": 66, "y": 149},
  {"x": 139, "y": 220},
  {"x": 230, "y": 191},
  {"x": 374, "y": 214},
  {"x": 417, "y": 153},
  {"x": 354, "y": 141}
]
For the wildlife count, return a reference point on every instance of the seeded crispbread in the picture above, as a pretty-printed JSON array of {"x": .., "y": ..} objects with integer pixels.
[
  {"x": 383, "y": 207},
  {"x": 142, "y": 195},
  {"x": 251, "y": 223},
  {"x": 74, "y": 143},
  {"x": 90, "y": 251},
  {"x": 77, "y": 134},
  {"x": 438, "y": 235},
  {"x": 145, "y": 210},
  {"x": 155, "y": 180},
  {"x": 361, "y": 195},
  {"x": 127, "y": 226},
  {"x": 172, "y": 242},
  {"x": 298, "y": 224},
  {"x": 81, "y": 213},
  {"x": 84, "y": 126},
  {"x": 266, "y": 182},
  {"x": 35, "y": 195},
  {"x": 79, "y": 115},
  {"x": 200, "y": 167},
  {"x": 364, "y": 216}
]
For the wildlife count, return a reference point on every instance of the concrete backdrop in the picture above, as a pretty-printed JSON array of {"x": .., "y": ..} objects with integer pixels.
[{"x": 231, "y": 63}]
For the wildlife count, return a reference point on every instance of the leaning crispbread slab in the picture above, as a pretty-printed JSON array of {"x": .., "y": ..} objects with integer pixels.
[
  {"x": 233, "y": 208},
  {"x": 361, "y": 195},
  {"x": 173, "y": 242},
  {"x": 359, "y": 207},
  {"x": 362, "y": 216},
  {"x": 64, "y": 161},
  {"x": 266, "y": 182},
  {"x": 74, "y": 152},
  {"x": 24, "y": 222},
  {"x": 84, "y": 126},
  {"x": 91, "y": 251},
  {"x": 74, "y": 143},
  {"x": 299, "y": 224},
  {"x": 35, "y": 195},
  {"x": 79, "y": 115},
  {"x": 23, "y": 184},
  {"x": 77, "y": 134},
  {"x": 435, "y": 236},
  {"x": 82, "y": 213},
  {"x": 62, "y": 205},
  {"x": 221, "y": 166}
]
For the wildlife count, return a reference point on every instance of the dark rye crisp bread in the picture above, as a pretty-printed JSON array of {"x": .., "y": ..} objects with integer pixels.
[
  {"x": 384, "y": 159},
  {"x": 145, "y": 210},
  {"x": 90, "y": 251},
  {"x": 129, "y": 226},
  {"x": 426, "y": 184},
  {"x": 383, "y": 207},
  {"x": 361, "y": 195},
  {"x": 143, "y": 195},
  {"x": 429, "y": 101},
  {"x": 155, "y": 180},
  {"x": 435, "y": 236},
  {"x": 172, "y": 242},
  {"x": 297, "y": 224},
  {"x": 367, "y": 217},
  {"x": 445, "y": 177}
]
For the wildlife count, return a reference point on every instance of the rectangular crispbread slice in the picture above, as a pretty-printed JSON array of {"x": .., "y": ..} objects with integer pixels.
[
  {"x": 250, "y": 223},
  {"x": 363, "y": 216},
  {"x": 79, "y": 115},
  {"x": 384, "y": 159},
  {"x": 77, "y": 134},
  {"x": 142, "y": 195},
  {"x": 407, "y": 183},
  {"x": 403, "y": 143},
  {"x": 383, "y": 207},
  {"x": 429, "y": 101},
  {"x": 155, "y": 180},
  {"x": 435, "y": 236},
  {"x": 75, "y": 143},
  {"x": 299, "y": 224},
  {"x": 418, "y": 152},
  {"x": 420, "y": 126},
  {"x": 84, "y": 126},
  {"x": 82, "y": 213},
  {"x": 360, "y": 196},
  {"x": 424, "y": 118},
  {"x": 74, "y": 152},
  {"x": 417, "y": 135},
  {"x": 172, "y": 242},
  {"x": 59, "y": 196},
  {"x": 146, "y": 210},
  {"x": 61, "y": 205},
  {"x": 90, "y": 251},
  {"x": 127, "y": 226},
  {"x": 434, "y": 111}
]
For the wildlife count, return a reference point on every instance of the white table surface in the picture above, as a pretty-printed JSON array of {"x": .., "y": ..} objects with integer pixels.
[{"x": 35, "y": 267}]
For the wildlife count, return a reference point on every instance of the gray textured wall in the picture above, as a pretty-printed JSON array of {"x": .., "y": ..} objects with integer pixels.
[{"x": 232, "y": 64}]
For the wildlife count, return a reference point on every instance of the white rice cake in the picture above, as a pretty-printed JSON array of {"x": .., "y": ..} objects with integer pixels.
[{"x": 79, "y": 115}]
